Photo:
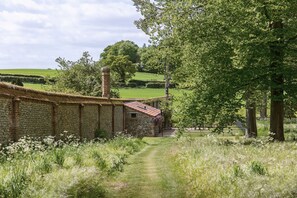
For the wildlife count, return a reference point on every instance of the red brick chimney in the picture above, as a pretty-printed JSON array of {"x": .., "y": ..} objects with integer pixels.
[{"x": 105, "y": 82}]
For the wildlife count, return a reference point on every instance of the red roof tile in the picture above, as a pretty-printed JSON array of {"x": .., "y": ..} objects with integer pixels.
[{"x": 143, "y": 108}]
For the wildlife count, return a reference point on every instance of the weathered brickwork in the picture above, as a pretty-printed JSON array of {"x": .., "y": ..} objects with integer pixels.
[
  {"x": 5, "y": 108},
  {"x": 106, "y": 118},
  {"x": 35, "y": 119},
  {"x": 89, "y": 121},
  {"x": 68, "y": 119},
  {"x": 118, "y": 118},
  {"x": 141, "y": 125}
]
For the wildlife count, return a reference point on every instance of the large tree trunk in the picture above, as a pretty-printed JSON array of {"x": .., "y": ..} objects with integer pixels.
[
  {"x": 251, "y": 122},
  {"x": 263, "y": 108},
  {"x": 277, "y": 83}
]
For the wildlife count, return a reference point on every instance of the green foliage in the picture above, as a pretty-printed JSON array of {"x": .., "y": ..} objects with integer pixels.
[
  {"x": 17, "y": 82},
  {"x": 82, "y": 76},
  {"x": 227, "y": 49},
  {"x": 28, "y": 79},
  {"x": 258, "y": 168},
  {"x": 151, "y": 60},
  {"x": 122, "y": 48},
  {"x": 59, "y": 156},
  {"x": 155, "y": 85},
  {"x": 122, "y": 68},
  {"x": 122, "y": 58},
  {"x": 101, "y": 134}
]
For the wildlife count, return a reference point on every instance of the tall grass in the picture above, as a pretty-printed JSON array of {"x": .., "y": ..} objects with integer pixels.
[
  {"x": 212, "y": 167},
  {"x": 64, "y": 168}
]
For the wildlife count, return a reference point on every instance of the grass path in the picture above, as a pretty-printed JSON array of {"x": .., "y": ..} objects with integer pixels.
[{"x": 149, "y": 174}]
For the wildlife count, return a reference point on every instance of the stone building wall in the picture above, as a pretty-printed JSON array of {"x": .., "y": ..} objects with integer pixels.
[{"x": 141, "y": 125}]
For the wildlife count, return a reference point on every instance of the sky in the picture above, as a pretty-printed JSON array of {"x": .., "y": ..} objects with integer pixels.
[{"x": 33, "y": 33}]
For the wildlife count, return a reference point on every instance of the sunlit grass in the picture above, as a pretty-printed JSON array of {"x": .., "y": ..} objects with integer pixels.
[
  {"x": 69, "y": 168},
  {"x": 218, "y": 167},
  {"x": 148, "y": 76},
  {"x": 148, "y": 92}
]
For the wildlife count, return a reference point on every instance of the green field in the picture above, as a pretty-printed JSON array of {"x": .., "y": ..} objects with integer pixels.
[
  {"x": 148, "y": 76},
  {"x": 38, "y": 72},
  {"x": 147, "y": 92}
]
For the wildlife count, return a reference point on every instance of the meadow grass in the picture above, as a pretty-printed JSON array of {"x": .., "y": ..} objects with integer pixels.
[
  {"x": 63, "y": 168},
  {"x": 218, "y": 167}
]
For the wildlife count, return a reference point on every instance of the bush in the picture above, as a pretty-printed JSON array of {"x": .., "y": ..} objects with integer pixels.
[
  {"x": 132, "y": 85},
  {"x": 138, "y": 83},
  {"x": 101, "y": 134},
  {"x": 26, "y": 79},
  {"x": 155, "y": 85}
]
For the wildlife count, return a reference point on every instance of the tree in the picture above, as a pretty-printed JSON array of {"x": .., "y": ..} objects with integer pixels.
[
  {"x": 122, "y": 52},
  {"x": 82, "y": 76},
  {"x": 123, "y": 69},
  {"x": 229, "y": 49},
  {"x": 150, "y": 59}
]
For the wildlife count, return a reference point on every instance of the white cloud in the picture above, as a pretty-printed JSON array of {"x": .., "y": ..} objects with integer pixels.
[{"x": 35, "y": 32}]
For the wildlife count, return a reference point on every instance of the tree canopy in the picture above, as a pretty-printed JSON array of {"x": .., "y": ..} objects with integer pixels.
[
  {"x": 123, "y": 58},
  {"x": 229, "y": 51},
  {"x": 82, "y": 76}
]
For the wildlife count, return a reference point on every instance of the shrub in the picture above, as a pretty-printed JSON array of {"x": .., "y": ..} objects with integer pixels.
[
  {"x": 102, "y": 134},
  {"x": 138, "y": 83},
  {"x": 155, "y": 85}
]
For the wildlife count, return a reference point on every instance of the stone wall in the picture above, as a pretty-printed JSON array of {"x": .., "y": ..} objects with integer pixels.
[
  {"x": 106, "y": 119},
  {"x": 35, "y": 119},
  {"x": 141, "y": 125},
  {"x": 36, "y": 113},
  {"x": 68, "y": 119},
  {"x": 5, "y": 109},
  {"x": 118, "y": 118},
  {"x": 25, "y": 112},
  {"x": 90, "y": 121}
]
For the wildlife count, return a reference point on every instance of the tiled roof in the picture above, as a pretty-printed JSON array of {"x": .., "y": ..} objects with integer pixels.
[{"x": 143, "y": 108}]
